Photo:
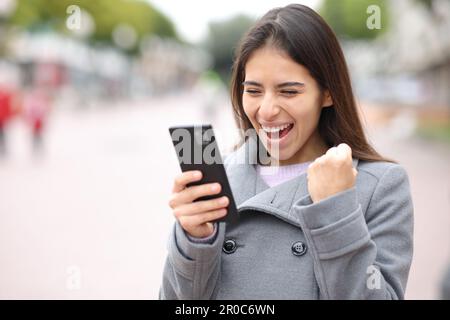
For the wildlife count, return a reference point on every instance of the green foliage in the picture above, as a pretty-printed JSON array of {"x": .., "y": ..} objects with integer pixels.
[
  {"x": 51, "y": 14},
  {"x": 348, "y": 18},
  {"x": 427, "y": 3},
  {"x": 223, "y": 38},
  {"x": 435, "y": 131}
]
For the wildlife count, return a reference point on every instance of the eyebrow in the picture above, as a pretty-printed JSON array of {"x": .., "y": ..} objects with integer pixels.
[{"x": 281, "y": 85}]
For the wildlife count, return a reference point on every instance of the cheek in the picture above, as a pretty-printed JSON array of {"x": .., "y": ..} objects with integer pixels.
[
  {"x": 306, "y": 117},
  {"x": 306, "y": 110},
  {"x": 249, "y": 106}
]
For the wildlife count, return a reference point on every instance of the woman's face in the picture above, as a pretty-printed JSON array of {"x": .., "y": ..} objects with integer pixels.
[{"x": 283, "y": 102}]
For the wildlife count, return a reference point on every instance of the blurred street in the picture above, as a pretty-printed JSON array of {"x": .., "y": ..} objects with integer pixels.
[
  {"x": 93, "y": 207},
  {"x": 88, "y": 218}
]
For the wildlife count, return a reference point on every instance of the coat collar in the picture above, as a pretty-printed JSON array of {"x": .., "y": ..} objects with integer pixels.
[{"x": 250, "y": 192}]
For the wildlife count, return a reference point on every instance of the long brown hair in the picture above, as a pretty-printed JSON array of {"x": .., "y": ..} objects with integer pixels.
[{"x": 307, "y": 39}]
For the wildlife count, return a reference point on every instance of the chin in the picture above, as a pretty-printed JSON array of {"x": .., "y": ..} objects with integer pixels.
[{"x": 284, "y": 155}]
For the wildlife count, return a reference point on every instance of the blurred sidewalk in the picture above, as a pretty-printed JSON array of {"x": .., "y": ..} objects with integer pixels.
[
  {"x": 428, "y": 165},
  {"x": 89, "y": 219}
]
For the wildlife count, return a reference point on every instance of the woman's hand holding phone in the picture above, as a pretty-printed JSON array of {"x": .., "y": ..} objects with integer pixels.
[{"x": 195, "y": 217}]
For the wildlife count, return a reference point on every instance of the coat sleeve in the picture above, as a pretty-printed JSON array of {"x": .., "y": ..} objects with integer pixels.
[
  {"x": 359, "y": 256},
  {"x": 191, "y": 269}
]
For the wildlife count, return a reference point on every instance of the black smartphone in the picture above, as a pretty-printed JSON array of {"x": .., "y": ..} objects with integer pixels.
[{"x": 197, "y": 149}]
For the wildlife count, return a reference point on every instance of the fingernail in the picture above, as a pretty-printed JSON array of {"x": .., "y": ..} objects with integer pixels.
[
  {"x": 197, "y": 174},
  {"x": 223, "y": 200},
  {"x": 215, "y": 187}
]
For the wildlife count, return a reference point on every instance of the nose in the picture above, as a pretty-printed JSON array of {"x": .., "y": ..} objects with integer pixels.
[{"x": 268, "y": 110}]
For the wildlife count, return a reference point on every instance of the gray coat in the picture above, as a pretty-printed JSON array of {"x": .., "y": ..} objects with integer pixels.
[{"x": 356, "y": 244}]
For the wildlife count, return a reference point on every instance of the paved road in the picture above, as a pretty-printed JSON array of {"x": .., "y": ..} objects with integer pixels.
[{"x": 88, "y": 219}]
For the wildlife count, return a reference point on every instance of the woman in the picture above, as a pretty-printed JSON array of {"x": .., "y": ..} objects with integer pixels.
[{"x": 333, "y": 221}]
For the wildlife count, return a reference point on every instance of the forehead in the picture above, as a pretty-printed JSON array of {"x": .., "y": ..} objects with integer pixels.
[{"x": 269, "y": 64}]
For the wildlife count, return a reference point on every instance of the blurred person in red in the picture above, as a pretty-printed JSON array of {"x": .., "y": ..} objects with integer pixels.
[
  {"x": 37, "y": 99},
  {"x": 36, "y": 107},
  {"x": 6, "y": 98}
]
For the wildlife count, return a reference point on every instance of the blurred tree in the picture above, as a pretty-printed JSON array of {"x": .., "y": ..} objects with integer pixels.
[
  {"x": 427, "y": 3},
  {"x": 348, "y": 18},
  {"x": 433, "y": 8},
  {"x": 222, "y": 40},
  {"x": 107, "y": 14}
]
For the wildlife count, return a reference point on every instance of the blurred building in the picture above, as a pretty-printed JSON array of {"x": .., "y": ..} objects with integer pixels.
[
  {"x": 69, "y": 66},
  {"x": 81, "y": 74},
  {"x": 410, "y": 64},
  {"x": 420, "y": 44},
  {"x": 170, "y": 65}
]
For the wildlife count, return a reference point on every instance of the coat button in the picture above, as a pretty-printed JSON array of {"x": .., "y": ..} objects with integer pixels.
[
  {"x": 229, "y": 246},
  {"x": 298, "y": 248}
]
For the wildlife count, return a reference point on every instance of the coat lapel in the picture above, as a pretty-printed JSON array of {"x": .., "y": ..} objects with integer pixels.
[{"x": 250, "y": 192}]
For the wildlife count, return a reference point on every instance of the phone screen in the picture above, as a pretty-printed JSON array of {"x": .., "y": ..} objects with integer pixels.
[{"x": 197, "y": 149}]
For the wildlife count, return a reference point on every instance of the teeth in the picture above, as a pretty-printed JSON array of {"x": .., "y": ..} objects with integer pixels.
[{"x": 275, "y": 129}]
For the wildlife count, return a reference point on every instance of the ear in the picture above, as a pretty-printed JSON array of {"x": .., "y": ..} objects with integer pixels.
[{"x": 327, "y": 101}]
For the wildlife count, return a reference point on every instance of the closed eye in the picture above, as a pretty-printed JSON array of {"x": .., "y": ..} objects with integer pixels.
[
  {"x": 252, "y": 91},
  {"x": 289, "y": 92}
]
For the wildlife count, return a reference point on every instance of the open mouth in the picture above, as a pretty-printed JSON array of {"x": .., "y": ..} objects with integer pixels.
[{"x": 278, "y": 132}]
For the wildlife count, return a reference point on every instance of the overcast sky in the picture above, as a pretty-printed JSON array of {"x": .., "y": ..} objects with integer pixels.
[{"x": 191, "y": 17}]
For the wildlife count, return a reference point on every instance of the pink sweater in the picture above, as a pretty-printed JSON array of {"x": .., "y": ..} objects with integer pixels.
[{"x": 273, "y": 176}]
